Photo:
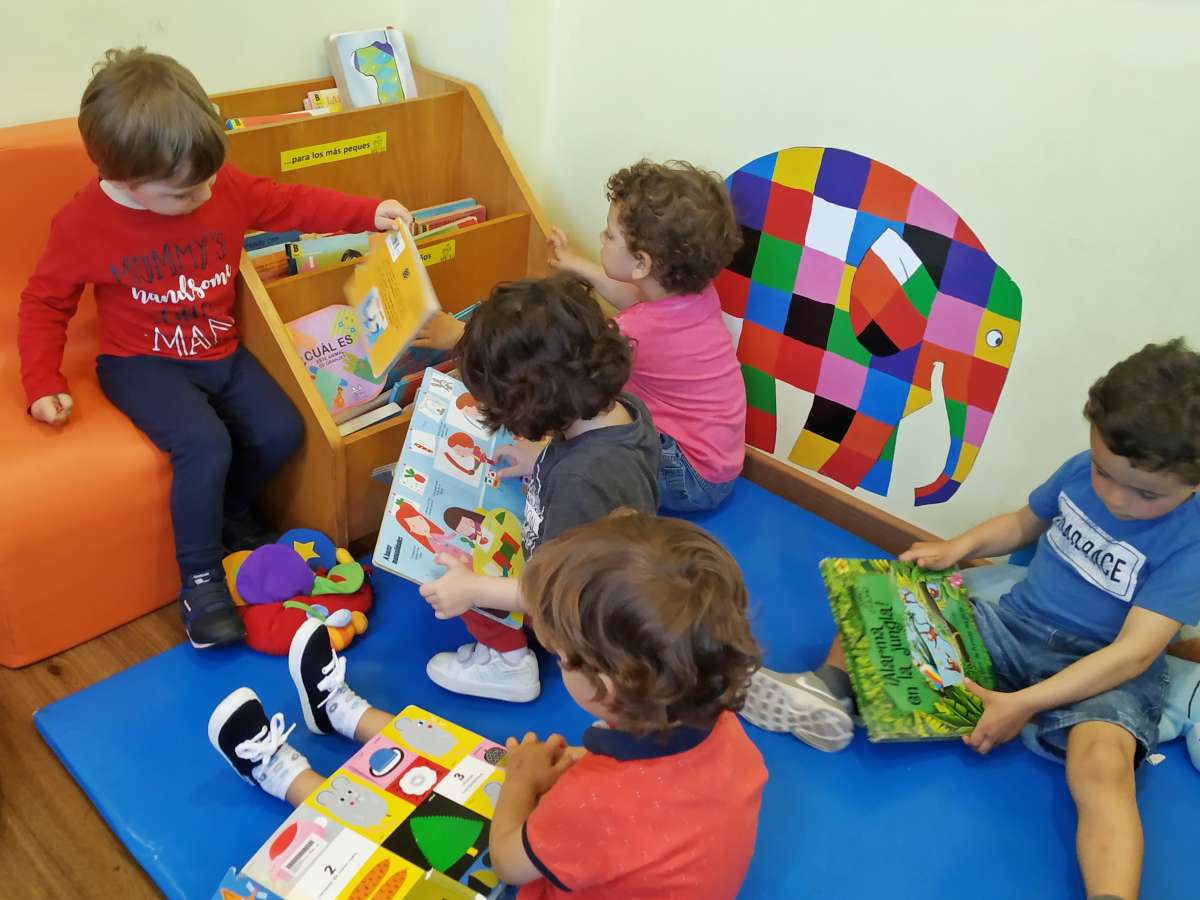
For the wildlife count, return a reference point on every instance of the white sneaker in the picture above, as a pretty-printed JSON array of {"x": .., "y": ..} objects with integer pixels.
[
  {"x": 480, "y": 671},
  {"x": 801, "y": 704}
]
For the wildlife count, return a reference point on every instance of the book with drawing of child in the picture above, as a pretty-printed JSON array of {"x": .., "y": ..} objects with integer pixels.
[
  {"x": 910, "y": 637},
  {"x": 409, "y": 815},
  {"x": 446, "y": 496}
]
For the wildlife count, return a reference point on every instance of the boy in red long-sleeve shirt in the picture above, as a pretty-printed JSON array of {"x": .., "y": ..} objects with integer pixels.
[{"x": 159, "y": 235}]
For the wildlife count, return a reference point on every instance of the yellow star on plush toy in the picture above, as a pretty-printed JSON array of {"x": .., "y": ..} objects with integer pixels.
[{"x": 306, "y": 549}]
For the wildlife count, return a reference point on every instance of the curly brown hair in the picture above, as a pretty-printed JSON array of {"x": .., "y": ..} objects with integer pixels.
[
  {"x": 540, "y": 355},
  {"x": 654, "y": 604},
  {"x": 1147, "y": 409},
  {"x": 681, "y": 216},
  {"x": 144, "y": 117}
]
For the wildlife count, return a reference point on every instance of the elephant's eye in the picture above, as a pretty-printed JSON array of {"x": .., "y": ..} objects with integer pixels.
[{"x": 994, "y": 337}]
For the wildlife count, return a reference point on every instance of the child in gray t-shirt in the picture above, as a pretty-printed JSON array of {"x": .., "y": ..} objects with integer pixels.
[{"x": 540, "y": 359}]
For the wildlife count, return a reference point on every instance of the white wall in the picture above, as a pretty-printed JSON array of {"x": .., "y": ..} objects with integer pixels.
[{"x": 1064, "y": 133}]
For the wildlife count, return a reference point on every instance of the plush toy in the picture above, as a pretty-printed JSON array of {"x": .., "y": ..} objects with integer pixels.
[
  {"x": 1181, "y": 709},
  {"x": 278, "y": 586}
]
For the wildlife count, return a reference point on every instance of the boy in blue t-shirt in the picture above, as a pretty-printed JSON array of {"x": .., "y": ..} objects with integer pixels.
[{"x": 1077, "y": 646}]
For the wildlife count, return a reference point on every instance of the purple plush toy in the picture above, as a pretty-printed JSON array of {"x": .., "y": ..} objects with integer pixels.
[{"x": 273, "y": 573}]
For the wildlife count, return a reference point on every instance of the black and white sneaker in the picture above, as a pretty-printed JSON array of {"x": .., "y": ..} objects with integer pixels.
[
  {"x": 207, "y": 611},
  {"x": 255, "y": 746},
  {"x": 319, "y": 675}
]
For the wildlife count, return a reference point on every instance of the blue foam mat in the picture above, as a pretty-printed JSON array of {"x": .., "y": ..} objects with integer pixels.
[{"x": 902, "y": 821}]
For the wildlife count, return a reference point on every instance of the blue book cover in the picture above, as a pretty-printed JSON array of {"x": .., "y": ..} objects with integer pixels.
[
  {"x": 446, "y": 496},
  {"x": 265, "y": 239}
]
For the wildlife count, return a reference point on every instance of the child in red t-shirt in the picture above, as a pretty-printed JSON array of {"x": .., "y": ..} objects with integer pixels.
[
  {"x": 648, "y": 619},
  {"x": 159, "y": 236}
]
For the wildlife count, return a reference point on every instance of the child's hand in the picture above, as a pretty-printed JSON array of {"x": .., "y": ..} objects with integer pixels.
[
  {"x": 561, "y": 256},
  {"x": 1004, "y": 715},
  {"x": 454, "y": 592},
  {"x": 441, "y": 332},
  {"x": 390, "y": 213},
  {"x": 538, "y": 763},
  {"x": 521, "y": 457},
  {"x": 53, "y": 409},
  {"x": 934, "y": 555}
]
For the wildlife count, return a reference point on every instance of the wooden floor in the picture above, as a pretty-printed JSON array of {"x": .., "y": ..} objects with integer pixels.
[{"x": 53, "y": 843}]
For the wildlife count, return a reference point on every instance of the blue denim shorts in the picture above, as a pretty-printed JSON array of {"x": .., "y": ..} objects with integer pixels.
[
  {"x": 680, "y": 487},
  {"x": 1025, "y": 651}
]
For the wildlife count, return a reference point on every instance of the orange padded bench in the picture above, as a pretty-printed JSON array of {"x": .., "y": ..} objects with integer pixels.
[{"x": 86, "y": 540}]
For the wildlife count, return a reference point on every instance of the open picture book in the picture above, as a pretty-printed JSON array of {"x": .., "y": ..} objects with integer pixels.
[
  {"x": 910, "y": 637},
  {"x": 408, "y": 816},
  {"x": 446, "y": 495}
]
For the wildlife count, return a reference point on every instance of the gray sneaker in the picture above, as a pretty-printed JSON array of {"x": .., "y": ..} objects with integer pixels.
[{"x": 799, "y": 703}]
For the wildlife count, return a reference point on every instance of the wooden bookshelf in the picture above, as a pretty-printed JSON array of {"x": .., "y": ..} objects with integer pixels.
[{"x": 441, "y": 145}]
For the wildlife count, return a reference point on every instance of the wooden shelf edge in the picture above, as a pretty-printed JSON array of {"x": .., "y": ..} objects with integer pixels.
[{"x": 886, "y": 531}]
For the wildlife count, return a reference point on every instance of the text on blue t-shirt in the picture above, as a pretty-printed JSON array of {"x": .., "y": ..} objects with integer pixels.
[{"x": 1090, "y": 566}]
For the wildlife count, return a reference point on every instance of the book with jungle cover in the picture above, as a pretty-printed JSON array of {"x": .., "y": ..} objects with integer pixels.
[{"x": 910, "y": 638}]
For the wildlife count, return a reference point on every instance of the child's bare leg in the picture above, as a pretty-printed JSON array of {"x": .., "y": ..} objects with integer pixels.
[
  {"x": 371, "y": 724},
  {"x": 836, "y": 658},
  {"x": 303, "y": 786},
  {"x": 1108, "y": 839}
]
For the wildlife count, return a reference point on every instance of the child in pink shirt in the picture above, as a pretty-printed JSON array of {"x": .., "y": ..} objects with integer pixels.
[{"x": 670, "y": 230}]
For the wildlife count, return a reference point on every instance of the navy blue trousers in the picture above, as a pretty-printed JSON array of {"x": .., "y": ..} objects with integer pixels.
[{"x": 227, "y": 426}]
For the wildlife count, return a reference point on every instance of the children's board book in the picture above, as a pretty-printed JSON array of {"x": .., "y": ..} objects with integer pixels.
[
  {"x": 393, "y": 296},
  {"x": 446, "y": 496},
  {"x": 370, "y": 67},
  {"x": 909, "y": 636},
  {"x": 333, "y": 346},
  {"x": 408, "y": 816},
  {"x": 328, "y": 250}
]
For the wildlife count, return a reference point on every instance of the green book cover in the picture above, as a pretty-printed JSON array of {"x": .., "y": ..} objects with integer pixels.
[{"x": 910, "y": 637}]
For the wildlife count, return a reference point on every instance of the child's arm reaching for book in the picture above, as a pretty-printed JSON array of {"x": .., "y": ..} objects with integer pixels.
[
  {"x": 441, "y": 332},
  {"x": 1142, "y": 638},
  {"x": 459, "y": 589},
  {"x": 620, "y": 294},
  {"x": 995, "y": 537}
]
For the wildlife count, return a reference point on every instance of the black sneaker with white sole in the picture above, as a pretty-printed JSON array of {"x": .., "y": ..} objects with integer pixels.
[
  {"x": 207, "y": 611},
  {"x": 319, "y": 674},
  {"x": 254, "y": 746}
]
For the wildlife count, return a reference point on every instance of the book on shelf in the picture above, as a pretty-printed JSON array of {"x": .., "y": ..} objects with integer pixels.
[
  {"x": 370, "y": 417},
  {"x": 910, "y": 638},
  {"x": 391, "y": 292},
  {"x": 239, "y": 123},
  {"x": 370, "y": 67},
  {"x": 326, "y": 98},
  {"x": 332, "y": 346},
  {"x": 319, "y": 252},
  {"x": 446, "y": 495},
  {"x": 408, "y": 815}
]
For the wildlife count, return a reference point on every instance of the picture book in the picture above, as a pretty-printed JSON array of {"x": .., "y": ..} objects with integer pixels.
[
  {"x": 370, "y": 67},
  {"x": 393, "y": 296},
  {"x": 446, "y": 496},
  {"x": 244, "y": 122},
  {"x": 262, "y": 240},
  {"x": 327, "y": 250},
  {"x": 910, "y": 637},
  {"x": 333, "y": 347},
  {"x": 369, "y": 417},
  {"x": 408, "y": 816}
]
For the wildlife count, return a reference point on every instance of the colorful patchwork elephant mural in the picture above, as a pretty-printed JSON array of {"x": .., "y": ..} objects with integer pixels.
[{"x": 853, "y": 280}]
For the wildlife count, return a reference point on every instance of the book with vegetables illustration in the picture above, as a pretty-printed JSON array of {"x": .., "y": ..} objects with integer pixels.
[{"x": 910, "y": 638}]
